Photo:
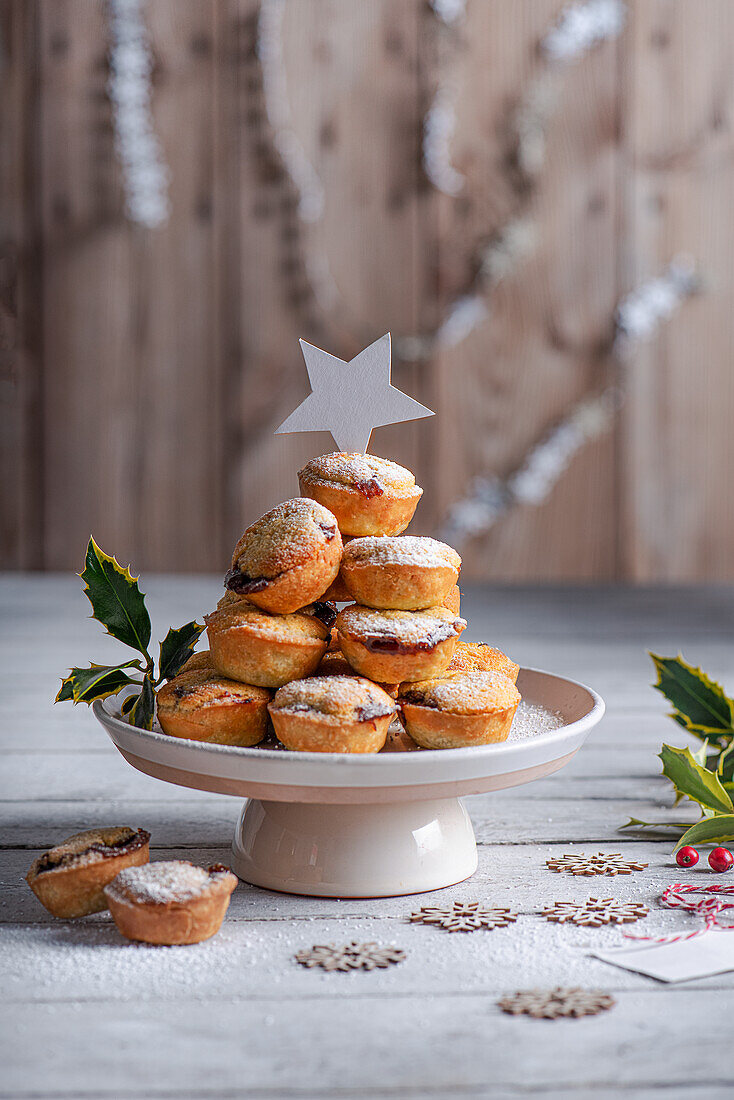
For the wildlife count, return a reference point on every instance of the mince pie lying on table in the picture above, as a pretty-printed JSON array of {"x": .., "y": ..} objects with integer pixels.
[
  {"x": 170, "y": 902},
  {"x": 69, "y": 879}
]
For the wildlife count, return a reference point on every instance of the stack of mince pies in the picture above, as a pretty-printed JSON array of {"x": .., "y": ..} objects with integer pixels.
[{"x": 282, "y": 659}]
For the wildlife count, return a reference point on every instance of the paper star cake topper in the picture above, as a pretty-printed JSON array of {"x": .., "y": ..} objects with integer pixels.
[{"x": 350, "y": 399}]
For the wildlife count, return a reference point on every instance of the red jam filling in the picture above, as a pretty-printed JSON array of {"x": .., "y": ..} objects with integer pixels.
[
  {"x": 239, "y": 582},
  {"x": 369, "y": 488},
  {"x": 122, "y": 846},
  {"x": 369, "y": 713},
  {"x": 324, "y": 611},
  {"x": 388, "y": 643},
  {"x": 218, "y": 869},
  {"x": 417, "y": 699}
]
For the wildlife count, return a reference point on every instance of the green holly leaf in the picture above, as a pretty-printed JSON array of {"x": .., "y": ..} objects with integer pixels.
[
  {"x": 84, "y": 685},
  {"x": 693, "y": 781},
  {"x": 116, "y": 599},
  {"x": 66, "y": 691},
  {"x": 143, "y": 710},
  {"x": 635, "y": 823},
  {"x": 701, "y": 754},
  {"x": 712, "y": 830},
  {"x": 699, "y": 704},
  {"x": 128, "y": 703},
  {"x": 725, "y": 766},
  {"x": 176, "y": 648}
]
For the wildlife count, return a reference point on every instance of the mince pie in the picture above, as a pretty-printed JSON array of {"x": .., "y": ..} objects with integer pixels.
[
  {"x": 197, "y": 662},
  {"x": 334, "y": 663},
  {"x": 480, "y": 657},
  {"x": 404, "y": 573},
  {"x": 170, "y": 902},
  {"x": 453, "y": 600},
  {"x": 205, "y": 706},
  {"x": 476, "y": 708},
  {"x": 288, "y": 558},
  {"x": 332, "y": 714},
  {"x": 391, "y": 646},
  {"x": 368, "y": 495},
  {"x": 69, "y": 879},
  {"x": 256, "y": 647}
]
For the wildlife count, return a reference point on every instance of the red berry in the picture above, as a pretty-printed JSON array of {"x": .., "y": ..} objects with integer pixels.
[
  {"x": 687, "y": 857},
  {"x": 721, "y": 860}
]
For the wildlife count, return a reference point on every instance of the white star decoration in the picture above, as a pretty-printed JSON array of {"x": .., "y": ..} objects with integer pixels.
[{"x": 350, "y": 399}]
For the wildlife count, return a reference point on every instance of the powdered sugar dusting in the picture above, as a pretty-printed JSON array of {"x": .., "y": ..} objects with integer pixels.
[
  {"x": 340, "y": 696},
  {"x": 407, "y": 626},
  {"x": 348, "y": 469},
  {"x": 531, "y": 720},
  {"x": 415, "y": 550},
  {"x": 469, "y": 693},
  {"x": 160, "y": 883},
  {"x": 285, "y": 537}
]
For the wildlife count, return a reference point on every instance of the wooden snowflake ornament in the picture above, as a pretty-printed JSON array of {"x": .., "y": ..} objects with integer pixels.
[
  {"x": 350, "y": 956},
  {"x": 595, "y": 912},
  {"x": 600, "y": 864},
  {"x": 463, "y": 917},
  {"x": 550, "y": 1004}
]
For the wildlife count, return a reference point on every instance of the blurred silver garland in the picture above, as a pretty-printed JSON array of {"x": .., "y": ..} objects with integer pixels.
[
  {"x": 639, "y": 314},
  {"x": 450, "y": 11},
  {"x": 581, "y": 27},
  {"x": 144, "y": 172},
  {"x": 440, "y": 121},
  {"x": 438, "y": 129},
  {"x": 288, "y": 146},
  {"x": 489, "y": 498},
  {"x": 275, "y": 89},
  {"x": 637, "y": 317}
]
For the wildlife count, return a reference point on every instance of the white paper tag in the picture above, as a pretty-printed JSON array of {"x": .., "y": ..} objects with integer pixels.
[{"x": 710, "y": 953}]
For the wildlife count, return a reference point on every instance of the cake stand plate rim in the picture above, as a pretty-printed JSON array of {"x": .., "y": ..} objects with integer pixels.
[{"x": 333, "y": 771}]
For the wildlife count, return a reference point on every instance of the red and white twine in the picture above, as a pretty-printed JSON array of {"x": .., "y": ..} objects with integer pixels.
[{"x": 708, "y": 908}]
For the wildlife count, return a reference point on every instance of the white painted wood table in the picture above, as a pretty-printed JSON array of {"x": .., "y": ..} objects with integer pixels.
[{"x": 85, "y": 1014}]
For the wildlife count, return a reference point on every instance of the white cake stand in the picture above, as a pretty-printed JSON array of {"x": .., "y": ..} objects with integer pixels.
[{"x": 340, "y": 825}]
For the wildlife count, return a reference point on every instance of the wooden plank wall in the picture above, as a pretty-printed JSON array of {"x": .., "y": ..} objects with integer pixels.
[{"x": 143, "y": 371}]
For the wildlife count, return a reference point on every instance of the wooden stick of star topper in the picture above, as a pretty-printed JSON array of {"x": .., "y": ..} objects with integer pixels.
[{"x": 350, "y": 399}]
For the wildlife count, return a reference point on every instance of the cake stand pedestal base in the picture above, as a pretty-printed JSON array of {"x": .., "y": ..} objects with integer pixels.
[{"x": 354, "y": 851}]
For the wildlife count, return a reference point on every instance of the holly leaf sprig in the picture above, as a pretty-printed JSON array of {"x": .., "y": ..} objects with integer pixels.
[
  {"x": 706, "y": 776},
  {"x": 119, "y": 605},
  {"x": 699, "y": 704}
]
